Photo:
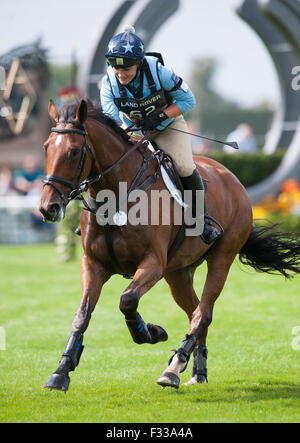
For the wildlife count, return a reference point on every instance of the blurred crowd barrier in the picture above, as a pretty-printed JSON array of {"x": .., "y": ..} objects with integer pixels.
[
  {"x": 20, "y": 190},
  {"x": 20, "y": 221}
]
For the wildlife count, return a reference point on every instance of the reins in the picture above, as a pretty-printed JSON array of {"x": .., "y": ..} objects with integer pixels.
[
  {"x": 110, "y": 168},
  {"x": 82, "y": 186}
]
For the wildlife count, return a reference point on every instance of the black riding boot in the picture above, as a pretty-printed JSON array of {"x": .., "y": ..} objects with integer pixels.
[{"x": 195, "y": 183}]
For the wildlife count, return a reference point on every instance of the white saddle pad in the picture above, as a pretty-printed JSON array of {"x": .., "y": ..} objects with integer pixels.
[
  {"x": 176, "y": 194},
  {"x": 174, "y": 191}
]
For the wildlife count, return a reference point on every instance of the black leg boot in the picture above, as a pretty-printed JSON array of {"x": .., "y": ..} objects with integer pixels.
[
  {"x": 195, "y": 183},
  {"x": 200, "y": 361}
]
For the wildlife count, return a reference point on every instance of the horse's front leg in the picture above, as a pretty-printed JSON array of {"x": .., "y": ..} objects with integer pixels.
[
  {"x": 148, "y": 273},
  {"x": 93, "y": 276}
]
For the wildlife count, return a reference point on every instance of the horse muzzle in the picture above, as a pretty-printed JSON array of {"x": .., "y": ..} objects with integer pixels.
[{"x": 53, "y": 212}]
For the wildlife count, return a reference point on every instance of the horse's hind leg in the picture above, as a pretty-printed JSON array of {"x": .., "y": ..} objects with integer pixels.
[
  {"x": 182, "y": 290},
  {"x": 93, "y": 276},
  {"x": 218, "y": 268}
]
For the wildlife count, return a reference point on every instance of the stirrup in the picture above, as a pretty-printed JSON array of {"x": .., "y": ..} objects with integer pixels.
[{"x": 211, "y": 234}]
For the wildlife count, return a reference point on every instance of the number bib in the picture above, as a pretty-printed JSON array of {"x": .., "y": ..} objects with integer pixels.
[{"x": 140, "y": 108}]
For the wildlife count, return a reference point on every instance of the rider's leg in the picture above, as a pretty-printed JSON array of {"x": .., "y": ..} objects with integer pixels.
[
  {"x": 178, "y": 146},
  {"x": 195, "y": 183}
]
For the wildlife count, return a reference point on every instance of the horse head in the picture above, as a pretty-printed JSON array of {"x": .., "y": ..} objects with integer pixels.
[{"x": 67, "y": 159}]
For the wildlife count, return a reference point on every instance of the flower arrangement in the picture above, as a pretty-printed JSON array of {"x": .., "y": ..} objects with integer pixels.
[{"x": 284, "y": 208}]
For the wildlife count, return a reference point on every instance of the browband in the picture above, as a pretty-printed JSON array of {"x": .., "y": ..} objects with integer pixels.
[{"x": 69, "y": 131}]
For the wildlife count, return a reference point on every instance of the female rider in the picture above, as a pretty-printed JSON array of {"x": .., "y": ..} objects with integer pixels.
[{"x": 140, "y": 86}]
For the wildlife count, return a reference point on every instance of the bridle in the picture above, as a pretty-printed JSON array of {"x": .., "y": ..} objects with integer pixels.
[
  {"x": 77, "y": 189},
  {"x": 76, "y": 186}
]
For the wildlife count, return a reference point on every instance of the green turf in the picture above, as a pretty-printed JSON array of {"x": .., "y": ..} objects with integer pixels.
[{"x": 253, "y": 370}]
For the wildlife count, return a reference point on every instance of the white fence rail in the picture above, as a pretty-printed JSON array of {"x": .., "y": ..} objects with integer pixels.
[{"x": 20, "y": 221}]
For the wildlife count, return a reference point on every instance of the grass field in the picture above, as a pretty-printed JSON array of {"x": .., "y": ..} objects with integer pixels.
[{"x": 253, "y": 369}]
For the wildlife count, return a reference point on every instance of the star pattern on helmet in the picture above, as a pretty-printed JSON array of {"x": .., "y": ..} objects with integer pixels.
[
  {"x": 128, "y": 47},
  {"x": 111, "y": 46},
  {"x": 141, "y": 47}
]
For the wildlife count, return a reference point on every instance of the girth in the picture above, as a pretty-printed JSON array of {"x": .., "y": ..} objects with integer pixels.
[{"x": 93, "y": 206}]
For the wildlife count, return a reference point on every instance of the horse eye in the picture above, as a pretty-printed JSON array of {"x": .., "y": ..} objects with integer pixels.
[{"x": 75, "y": 152}]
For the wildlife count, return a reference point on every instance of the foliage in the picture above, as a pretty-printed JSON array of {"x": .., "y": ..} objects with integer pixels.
[
  {"x": 249, "y": 168},
  {"x": 60, "y": 76},
  {"x": 289, "y": 223},
  {"x": 218, "y": 116},
  {"x": 284, "y": 208},
  {"x": 66, "y": 238}
]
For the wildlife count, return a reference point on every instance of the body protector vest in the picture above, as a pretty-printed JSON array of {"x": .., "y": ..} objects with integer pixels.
[{"x": 136, "y": 104}]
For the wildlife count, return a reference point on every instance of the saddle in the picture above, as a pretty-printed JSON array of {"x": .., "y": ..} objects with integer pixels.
[{"x": 173, "y": 183}]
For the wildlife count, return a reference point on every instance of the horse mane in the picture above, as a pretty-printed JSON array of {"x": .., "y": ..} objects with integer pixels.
[{"x": 67, "y": 114}]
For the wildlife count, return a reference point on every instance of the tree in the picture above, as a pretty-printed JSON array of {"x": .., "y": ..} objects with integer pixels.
[{"x": 218, "y": 116}]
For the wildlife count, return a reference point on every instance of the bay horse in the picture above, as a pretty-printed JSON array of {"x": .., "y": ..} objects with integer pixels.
[{"x": 86, "y": 149}]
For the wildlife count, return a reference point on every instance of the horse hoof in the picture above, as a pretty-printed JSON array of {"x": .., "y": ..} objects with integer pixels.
[
  {"x": 196, "y": 380},
  {"x": 58, "y": 381},
  {"x": 157, "y": 333},
  {"x": 202, "y": 379},
  {"x": 169, "y": 379}
]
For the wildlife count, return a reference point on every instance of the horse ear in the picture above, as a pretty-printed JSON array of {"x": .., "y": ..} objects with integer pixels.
[
  {"x": 53, "y": 112},
  {"x": 81, "y": 112}
]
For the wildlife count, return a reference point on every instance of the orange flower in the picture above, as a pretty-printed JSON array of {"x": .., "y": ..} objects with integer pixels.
[
  {"x": 284, "y": 204},
  {"x": 290, "y": 186}
]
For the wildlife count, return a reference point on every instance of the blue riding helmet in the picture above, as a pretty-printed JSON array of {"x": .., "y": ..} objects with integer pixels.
[{"x": 125, "y": 49}]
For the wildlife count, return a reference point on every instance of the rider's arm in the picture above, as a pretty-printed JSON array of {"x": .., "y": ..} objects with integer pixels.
[
  {"x": 107, "y": 101},
  {"x": 182, "y": 95}
]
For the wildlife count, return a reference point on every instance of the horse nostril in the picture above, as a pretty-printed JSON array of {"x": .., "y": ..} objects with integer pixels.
[{"x": 51, "y": 212}]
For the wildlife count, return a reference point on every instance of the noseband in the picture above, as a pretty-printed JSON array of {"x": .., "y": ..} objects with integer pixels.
[{"x": 79, "y": 187}]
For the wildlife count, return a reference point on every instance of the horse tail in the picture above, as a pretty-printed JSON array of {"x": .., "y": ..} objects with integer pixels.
[{"x": 271, "y": 251}]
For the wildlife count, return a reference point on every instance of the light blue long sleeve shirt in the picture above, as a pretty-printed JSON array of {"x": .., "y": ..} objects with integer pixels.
[{"x": 182, "y": 97}]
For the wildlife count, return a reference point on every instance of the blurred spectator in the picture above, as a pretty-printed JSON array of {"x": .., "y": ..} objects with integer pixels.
[
  {"x": 67, "y": 94},
  {"x": 243, "y": 135},
  {"x": 27, "y": 181},
  {"x": 199, "y": 147},
  {"x": 6, "y": 180},
  {"x": 29, "y": 177}
]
